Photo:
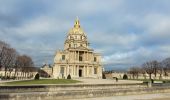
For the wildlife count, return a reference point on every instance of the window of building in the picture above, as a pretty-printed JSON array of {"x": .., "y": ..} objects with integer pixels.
[
  {"x": 75, "y": 37},
  {"x": 63, "y": 57},
  {"x": 80, "y": 56},
  {"x": 62, "y": 71},
  {"x": 90, "y": 70},
  {"x": 69, "y": 45},
  {"x": 70, "y": 71},
  {"x": 75, "y": 45},
  {"x": 95, "y": 70},
  {"x": 95, "y": 59}
]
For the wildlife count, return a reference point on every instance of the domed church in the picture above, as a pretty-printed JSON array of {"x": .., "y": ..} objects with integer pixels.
[{"x": 77, "y": 59}]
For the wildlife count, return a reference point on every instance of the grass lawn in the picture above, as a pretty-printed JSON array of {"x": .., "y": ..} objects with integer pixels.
[{"x": 42, "y": 81}]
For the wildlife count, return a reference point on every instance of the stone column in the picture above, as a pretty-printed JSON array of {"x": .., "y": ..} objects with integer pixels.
[
  {"x": 65, "y": 71},
  {"x": 74, "y": 56},
  {"x": 68, "y": 70},
  {"x": 84, "y": 71},
  {"x": 74, "y": 70},
  {"x": 92, "y": 68},
  {"x": 78, "y": 56},
  {"x": 90, "y": 57},
  {"x": 86, "y": 57},
  {"x": 77, "y": 71},
  {"x": 87, "y": 71},
  {"x": 70, "y": 55}
]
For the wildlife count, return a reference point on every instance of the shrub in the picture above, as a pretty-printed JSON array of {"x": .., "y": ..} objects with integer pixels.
[
  {"x": 125, "y": 77},
  {"x": 37, "y": 77},
  {"x": 152, "y": 80},
  {"x": 146, "y": 82},
  {"x": 3, "y": 78},
  {"x": 69, "y": 76},
  {"x": 116, "y": 79},
  {"x": 103, "y": 76},
  {"x": 13, "y": 77}
]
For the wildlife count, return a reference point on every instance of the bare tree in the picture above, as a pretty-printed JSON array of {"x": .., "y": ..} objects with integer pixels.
[
  {"x": 160, "y": 70},
  {"x": 25, "y": 64},
  {"x": 149, "y": 67},
  {"x": 143, "y": 72},
  {"x": 166, "y": 66},
  {"x": 3, "y": 46},
  {"x": 134, "y": 71},
  {"x": 8, "y": 59},
  {"x": 155, "y": 67}
]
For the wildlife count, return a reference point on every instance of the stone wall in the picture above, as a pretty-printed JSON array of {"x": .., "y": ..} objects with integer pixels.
[
  {"x": 130, "y": 76},
  {"x": 53, "y": 92}
]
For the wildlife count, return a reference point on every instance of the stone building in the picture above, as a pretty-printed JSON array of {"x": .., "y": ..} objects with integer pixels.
[
  {"x": 77, "y": 58},
  {"x": 46, "y": 71}
]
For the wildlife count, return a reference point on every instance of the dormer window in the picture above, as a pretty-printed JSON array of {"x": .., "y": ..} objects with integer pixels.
[
  {"x": 82, "y": 37},
  {"x": 95, "y": 59},
  {"x": 63, "y": 57}
]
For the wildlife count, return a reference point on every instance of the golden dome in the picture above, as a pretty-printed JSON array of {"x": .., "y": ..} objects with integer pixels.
[{"x": 77, "y": 28}]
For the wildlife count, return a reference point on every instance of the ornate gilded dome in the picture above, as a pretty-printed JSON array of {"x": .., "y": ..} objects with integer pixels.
[
  {"x": 76, "y": 29},
  {"x": 76, "y": 37}
]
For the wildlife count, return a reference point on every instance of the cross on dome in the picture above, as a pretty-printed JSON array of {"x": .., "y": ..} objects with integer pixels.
[{"x": 77, "y": 23}]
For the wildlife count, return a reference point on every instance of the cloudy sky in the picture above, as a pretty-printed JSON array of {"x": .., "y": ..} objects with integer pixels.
[{"x": 126, "y": 32}]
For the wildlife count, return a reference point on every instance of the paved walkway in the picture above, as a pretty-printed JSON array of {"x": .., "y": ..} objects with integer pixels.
[
  {"x": 158, "y": 96},
  {"x": 94, "y": 81},
  {"x": 106, "y": 81}
]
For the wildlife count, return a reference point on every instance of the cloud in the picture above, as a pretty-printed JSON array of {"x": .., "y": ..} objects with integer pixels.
[
  {"x": 126, "y": 32},
  {"x": 158, "y": 25},
  {"x": 41, "y": 25}
]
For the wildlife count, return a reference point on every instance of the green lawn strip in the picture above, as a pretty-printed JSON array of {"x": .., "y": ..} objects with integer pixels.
[{"x": 42, "y": 81}]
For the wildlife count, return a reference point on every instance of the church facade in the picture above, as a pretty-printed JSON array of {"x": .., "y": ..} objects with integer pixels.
[{"x": 77, "y": 59}]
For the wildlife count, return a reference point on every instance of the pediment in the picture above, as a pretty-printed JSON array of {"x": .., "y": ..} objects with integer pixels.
[{"x": 82, "y": 47}]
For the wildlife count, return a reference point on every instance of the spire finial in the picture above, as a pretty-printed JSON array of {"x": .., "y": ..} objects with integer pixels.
[{"x": 77, "y": 23}]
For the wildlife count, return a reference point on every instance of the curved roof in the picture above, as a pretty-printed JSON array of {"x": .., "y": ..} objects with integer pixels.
[{"x": 76, "y": 29}]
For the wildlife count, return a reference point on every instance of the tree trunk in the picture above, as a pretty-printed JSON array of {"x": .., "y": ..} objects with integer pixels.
[
  {"x": 133, "y": 76},
  {"x": 150, "y": 76},
  {"x": 5, "y": 72},
  {"x": 15, "y": 73}
]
